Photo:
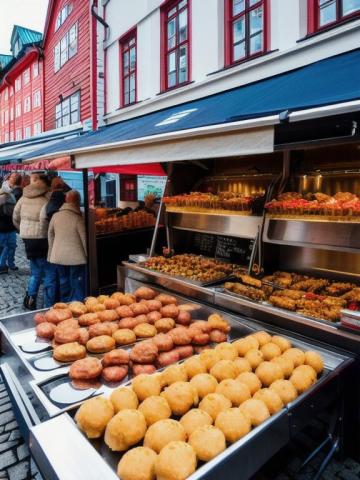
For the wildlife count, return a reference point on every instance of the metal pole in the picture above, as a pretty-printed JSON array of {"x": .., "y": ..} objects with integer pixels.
[{"x": 86, "y": 216}]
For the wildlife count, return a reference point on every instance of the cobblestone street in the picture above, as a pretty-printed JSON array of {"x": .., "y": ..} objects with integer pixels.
[{"x": 14, "y": 455}]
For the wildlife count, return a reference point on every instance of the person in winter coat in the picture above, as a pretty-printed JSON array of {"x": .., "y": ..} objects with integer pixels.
[
  {"x": 67, "y": 248},
  {"x": 33, "y": 230},
  {"x": 57, "y": 199},
  {"x": 7, "y": 229},
  {"x": 15, "y": 182}
]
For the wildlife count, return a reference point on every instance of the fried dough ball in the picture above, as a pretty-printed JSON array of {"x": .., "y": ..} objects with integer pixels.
[
  {"x": 85, "y": 369},
  {"x": 194, "y": 366},
  {"x": 251, "y": 380},
  {"x": 111, "y": 304},
  {"x": 262, "y": 337},
  {"x": 139, "y": 309},
  {"x": 242, "y": 365},
  {"x": 200, "y": 326},
  {"x": 165, "y": 299},
  {"x": 181, "y": 396},
  {"x": 170, "y": 311},
  {"x": 145, "y": 293},
  {"x": 296, "y": 355},
  {"x": 127, "y": 323},
  {"x": 101, "y": 344},
  {"x": 102, "y": 298},
  {"x": 124, "y": 398},
  {"x": 126, "y": 299},
  {"x": 227, "y": 351},
  {"x": 125, "y": 429},
  {"x": 233, "y": 423},
  {"x": 69, "y": 352},
  {"x": 214, "y": 403},
  {"x": 208, "y": 442},
  {"x": 124, "y": 311},
  {"x": 285, "y": 389},
  {"x": 137, "y": 464},
  {"x": 83, "y": 336},
  {"x": 256, "y": 410},
  {"x": 184, "y": 318},
  {"x": 164, "y": 325},
  {"x": 139, "y": 369},
  {"x": 108, "y": 316},
  {"x": 174, "y": 373},
  {"x": 254, "y": 357},
  {"x": 217, "y": 322},
  {"x": 234, "y": 390},
  {"x": 144, "y": 330},
  {"x": 39, "y": 318},
  {"x": 204, "y": 384},
  {"x": 271, "y": 399},
  {"x": 155, "y": 408},
  {"x": 153, "y": 305},
  {"x": 60, "y": 305},
  {"x": 270, "y": 350},
  {"x": 96, "y": 307},
  {"x": 90, "y": 301},
  {"x": 144, "y": 352},
  {"x": 93, "y": 416},
  {"x": 146, "y": 386},
  {"x": 57, "y": 315},
  {"x": 167, "y": 358},
  {"x": 314, "y": 360},
  {"x": 282, "y": 342},
  {"x": 201, "y": 339},
  {"x": 243, "y": 345},
  {"x": 223, "y": 369},
  {"x": 176, "y": 461},
  {"x": 153, "y": 317},
  {"x": 209, "y": 358},
  {"x": 112, "y": 325},
  {"x": 115, "y": 373},
  {"x": 88, "y": 319},
  {"x": 194, "y": 419},
  {"x": 217, "y": 336},
  {"x": 180, "y": 336},
  {"x": 303, "y": 377},
  {"x": 269, "y": 372},
  {"x": 163, "y": 341},
  {"x": 286, "y": 365},
  {"x": 124, "y": 336},
  {"x": 162, "y": 433},
  {"x": 98, "y": 329},
  {"x": 77, "y": 308},
  {"x": 69, "y": 323},
  {"x": 45, "y": 330},
  {"x": 184, "y": 351},
  {"x": 116, "y": 357}
]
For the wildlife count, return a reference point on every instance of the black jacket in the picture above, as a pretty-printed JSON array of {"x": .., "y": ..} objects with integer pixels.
[
  {"x": 56, "y": 201},
  {"x": 17, "y": 192},
  {"x": 7, "y": 205},
  {"x": 36, "y": 248}
]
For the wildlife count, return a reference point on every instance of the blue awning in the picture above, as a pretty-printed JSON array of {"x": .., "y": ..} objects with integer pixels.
[{"x": 326, "y": 82}]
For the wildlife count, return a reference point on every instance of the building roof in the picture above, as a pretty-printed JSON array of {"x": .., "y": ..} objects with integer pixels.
[
  {"x": 26, "y": 35},
  {"x": 5, "y": 59}
]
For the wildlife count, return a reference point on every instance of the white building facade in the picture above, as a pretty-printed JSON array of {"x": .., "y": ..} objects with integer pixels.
[{"x": 163, "y": 53}]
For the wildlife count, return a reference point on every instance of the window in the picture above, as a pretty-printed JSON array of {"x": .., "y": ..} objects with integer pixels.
[
  {"x": 128, "y": 188},
  {"x": 6, "y": 95},
  {"x": 128, "y": 69},
  {"x": 17, "y": 84},
  {"x": 35, "y": 69},
  {"x": 27, "y": 132},
  {"x": 18, "y": 110},
  {"x": 175, "y": 44},
  {"x": 6, "y": 116},
  {"x": 27, "y": 104},
  {"x": 18, "y": 134},
  {"x": 17, "y": 47},
  {"x": 67, "y": 111},
  {"x": 27, "y": 76},
  {"x": 11, "y": 136},
  {"x": 36, "y": 99},
  {"x": 11, "y": 91},
  {"x": 66, "y": 48},
  {"x": 245, "y": 29},
  {"x": 11, "y": 114},
  {"x": 62, "y": 16},
  {"x": 37, "y": 128},
  {"x": 327, "y": 13},
  {"x": 6, "y": 138}
]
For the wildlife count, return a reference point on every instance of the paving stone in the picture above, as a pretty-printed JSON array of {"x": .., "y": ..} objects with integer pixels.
[
  {"x": 7, "y": 445},
  {"x": 348, "y": 475},
  {"x": 6, "y": 417},
  {"x": 20, "y": 471},
  {"x": 11, "y": 426},
  {"x": 5, "y": 437},
  {"x": 6, "y": 459},
  {"x": 15, "y": 435},
  {"x": 5, "y": 407},
  {"x": 22, "y": 451}
]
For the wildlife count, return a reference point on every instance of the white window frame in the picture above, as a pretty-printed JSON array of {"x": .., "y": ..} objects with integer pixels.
[
  {"x": 35, "y": 69},
  {"x": 11, "y": 114},
  {"x": 27, "y": 104},
  {"x": 18, "y": 134},
  {"x": 68, "y": 111},
  {"x": 6, "y": 95},
  {"x": 18, "y": 110},
  {"x": 37, "y": 128},
  {"x": 11, "y": 136},
  {"x": 63, "y": 15},
  {"x": 26, "y": 76},
  {"x": 27, "y": 132},
  {"x": 66, "y": 48},
  {"x": 37, "y": 99},
  {"x": 18, "y": 84},
  {"x": 6, "y": 117},
  {"x": 6, "y": 137}
]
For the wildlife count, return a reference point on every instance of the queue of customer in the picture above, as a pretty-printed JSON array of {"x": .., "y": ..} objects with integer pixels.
[{"x": 47, "y": 216}]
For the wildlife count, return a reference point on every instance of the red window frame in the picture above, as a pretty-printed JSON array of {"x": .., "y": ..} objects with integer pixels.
[
  {"x": 127, "y": 43},
  {"x": 231, "y": 19},
  {"x": 166, "y": 8},
  {"x": 314, "y": 16},
  {"x": 128, "y": 188}
]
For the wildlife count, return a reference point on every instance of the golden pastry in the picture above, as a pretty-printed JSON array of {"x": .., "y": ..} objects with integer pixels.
[
  {"x": 204, "y": 384},
  {"x": 234, "y": 390},
  {"x": 271, "y": 399},
  {"x": 155, "y": 408},
  {"x": 251, "y": 380},
  {"x": 256, "y": 410},
  {"x": 93, "y": 416},
  {"x": 268, "y": 372},
  {"x": 137, "y": 464},
  {"x": 176, "y": 461},
  {"x": 124, "y": 398},
  {"x": 207, "y": 441},
  {"x": 214, "y": 403},
  {"x": 285, "y": 389},
  {"x": 163, "y": 432},
  {"x": 146, "y": 386},
  {"x": 125, "y": 429},
  {"x": 233, "y": 423},
  {"x": 69, "y": 352},
  {"x": 194, "y": 419},
  {"x": 101, "y": 344}
]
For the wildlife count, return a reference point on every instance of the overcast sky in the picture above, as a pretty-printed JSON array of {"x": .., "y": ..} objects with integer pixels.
[{"x": 27, "y": 13}]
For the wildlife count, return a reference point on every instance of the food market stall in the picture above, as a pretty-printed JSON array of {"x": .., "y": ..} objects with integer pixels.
[{"x": 235, "y": 277}]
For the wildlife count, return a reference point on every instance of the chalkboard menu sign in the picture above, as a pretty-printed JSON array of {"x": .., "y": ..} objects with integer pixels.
[
  {"x": 236, "y": 250},
  {"x": 204, "y": 244}
]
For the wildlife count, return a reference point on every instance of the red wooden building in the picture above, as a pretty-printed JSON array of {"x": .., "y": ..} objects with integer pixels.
[
  {"x": 21, "y": 87},
  {"x": 67, "y": 64}
]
